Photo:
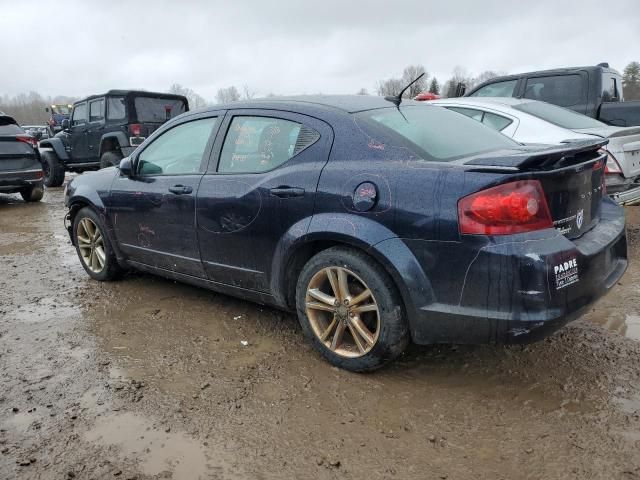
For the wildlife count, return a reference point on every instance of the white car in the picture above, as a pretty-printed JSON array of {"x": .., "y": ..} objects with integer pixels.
[{"x": 533, "y": 122}]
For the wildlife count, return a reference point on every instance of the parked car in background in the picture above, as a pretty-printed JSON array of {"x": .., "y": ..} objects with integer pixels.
[
  {"x": 105, "y": 128},
  {"x": 592, "y": 91},
  {"x": 529, "y": 121},
  {"x": 379, "y": 222},
  {"x": 20, "y": 168},
  {"x": 58, "y": 113},
  {"x": 39, "y": 132},
  {"x": 421, "y": 97}
]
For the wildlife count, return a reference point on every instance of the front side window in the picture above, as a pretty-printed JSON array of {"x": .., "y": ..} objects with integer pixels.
[
  {"x": 116, "y": 109},
  {"x": 177, "y": 151},
  {"x": 498, "y": 89},
  {"x": 80, "y": 113},
  {"x": 96, "y": 110},
  {"x": 434, "y": 133},
  {"x": 259, "y": 144},
  {"x": 563, "y": 90}
]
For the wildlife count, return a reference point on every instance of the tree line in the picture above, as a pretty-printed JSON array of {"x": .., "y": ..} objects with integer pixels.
[{"x": 29, "y": 108}]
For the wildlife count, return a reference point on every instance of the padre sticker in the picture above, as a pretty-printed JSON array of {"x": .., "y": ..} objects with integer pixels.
[{"x": 566, "y": 273}]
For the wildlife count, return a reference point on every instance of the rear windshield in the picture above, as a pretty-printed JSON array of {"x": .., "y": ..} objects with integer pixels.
[
  {"x": 10, "y": 129},
  {"x": 158, "y": 110},
  {"x": 435, "y": 133},
  {"x": 559, "y": 116}
]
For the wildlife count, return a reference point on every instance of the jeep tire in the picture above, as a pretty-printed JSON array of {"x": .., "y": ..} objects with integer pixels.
[{"x": 53, "y": 169}]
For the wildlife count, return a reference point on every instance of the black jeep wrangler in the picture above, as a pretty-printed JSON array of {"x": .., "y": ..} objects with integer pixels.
[{"x": 105, "y": 128}]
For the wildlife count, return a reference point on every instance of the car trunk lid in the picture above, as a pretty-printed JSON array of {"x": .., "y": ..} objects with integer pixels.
[
  {"x": 624, "y": 145},
  {"x": 572, "y": 178}
]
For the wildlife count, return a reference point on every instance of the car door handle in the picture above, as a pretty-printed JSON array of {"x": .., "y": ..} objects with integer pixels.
[
  {"x": 287, "y": 192},
  {"x": 180, "y": 189}
]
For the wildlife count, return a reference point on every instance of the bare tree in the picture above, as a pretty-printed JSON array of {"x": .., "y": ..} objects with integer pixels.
[
  {"x": 460, "y": 75},
  {"x": 247, "y": 93},
  {"x": 228, "y": 95},
  {"x": 195, "y": 100},
  {"x": 483, "y": 77},
  {"x": 631, "y": 81},
  {"x": 390, "y": 87},
  {"x": 29, "y": 108},
  {"x": 409, "y": 74},
  {"x": 362, "y": 91}
]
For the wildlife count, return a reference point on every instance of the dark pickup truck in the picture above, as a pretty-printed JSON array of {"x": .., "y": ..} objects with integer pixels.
[
  {"x": 592, "y": 91},
  {"x": 105, "y": 128}
]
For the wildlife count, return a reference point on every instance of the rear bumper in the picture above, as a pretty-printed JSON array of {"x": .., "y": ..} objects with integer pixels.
[
  {"x": 522, "y": 290},
  {"x": 14, "y": 181}
]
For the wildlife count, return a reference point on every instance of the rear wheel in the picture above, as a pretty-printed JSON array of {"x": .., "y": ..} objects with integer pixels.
[
  {"x": 110, "y": 159},
  {"x": 93, "y": 246},
  {"x": 350, "y": 310},
  {"x": 32, "y": 194},
  {"x": 53, "y": 170}
]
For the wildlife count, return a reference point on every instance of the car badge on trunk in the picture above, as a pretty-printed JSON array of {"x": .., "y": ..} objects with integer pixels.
[{"x": 580, "y": 218}]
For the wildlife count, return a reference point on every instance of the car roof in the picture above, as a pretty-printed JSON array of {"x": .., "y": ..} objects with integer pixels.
[
  {"x": 121, "y": 93},
  {"x": 346, "y": 103}
]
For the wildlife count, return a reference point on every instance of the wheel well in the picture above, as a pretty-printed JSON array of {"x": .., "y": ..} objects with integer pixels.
[
  {"x": 109, "y": 145},
  {"x": 75, "y": 208},
  {"x": 302, "y": 255}
]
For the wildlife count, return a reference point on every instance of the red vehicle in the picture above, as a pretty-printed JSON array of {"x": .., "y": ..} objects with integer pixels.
[{"x": 424, "y": 96}]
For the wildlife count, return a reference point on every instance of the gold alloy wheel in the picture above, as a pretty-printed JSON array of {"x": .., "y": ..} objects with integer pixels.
[
  {"x": 91, "y": 245},
  {"x": 342, "y": 312}
]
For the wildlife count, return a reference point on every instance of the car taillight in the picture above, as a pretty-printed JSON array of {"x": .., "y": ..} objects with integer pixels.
[
  {"x": 28, "y": 139},
  {"x": 612, "y": 166},
  {"x": 514, "y": 207},
  {"x": 135, "y": 129}
]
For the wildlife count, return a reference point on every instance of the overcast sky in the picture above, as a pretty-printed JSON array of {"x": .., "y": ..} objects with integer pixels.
[{"x": 83, "y": 47}]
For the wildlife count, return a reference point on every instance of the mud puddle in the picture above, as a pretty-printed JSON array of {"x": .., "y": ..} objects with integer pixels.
[{"x": 146, "y": 378}]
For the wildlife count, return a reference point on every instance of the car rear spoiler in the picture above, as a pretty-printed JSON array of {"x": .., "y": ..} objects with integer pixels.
[{"x": 542, "y": 159}]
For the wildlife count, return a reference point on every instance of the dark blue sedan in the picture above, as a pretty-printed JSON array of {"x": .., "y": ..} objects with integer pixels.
[{"x": 379, "y": 224}]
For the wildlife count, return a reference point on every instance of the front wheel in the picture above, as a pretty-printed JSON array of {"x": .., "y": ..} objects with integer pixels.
[
  {"x": 350, "y": 310},
  {"x": 93, "y": 246},
  {"x": 32, "y": 194}
]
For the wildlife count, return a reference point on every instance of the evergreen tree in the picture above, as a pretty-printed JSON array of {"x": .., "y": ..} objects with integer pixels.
[
  {"x": 631, "y": 81},
  {"x": 434, "y": 87}
]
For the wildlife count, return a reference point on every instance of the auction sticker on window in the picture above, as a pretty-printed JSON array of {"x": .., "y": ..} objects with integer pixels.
[{"x": 566, "y": 273}]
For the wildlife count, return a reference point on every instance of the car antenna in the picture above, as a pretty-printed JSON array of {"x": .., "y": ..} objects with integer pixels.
[{"x": 397, "y": 99}]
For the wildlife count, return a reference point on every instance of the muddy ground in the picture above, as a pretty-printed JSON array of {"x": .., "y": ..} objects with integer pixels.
[{"x": 146, "y": 378}]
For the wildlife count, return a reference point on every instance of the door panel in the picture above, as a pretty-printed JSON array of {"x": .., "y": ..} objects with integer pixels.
[
  {"x": 153, "y": 213},
  {"x": 95, "y": 128},
  {"x": 242, "y": 216},
  {"x": 78, "y": 132}
]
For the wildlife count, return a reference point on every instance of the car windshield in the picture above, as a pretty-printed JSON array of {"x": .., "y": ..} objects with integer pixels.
[
  {"x": 61, "y": 109},
  {"x": 559, "y": 116},
  {"x": 435, "y": 133},
  {"x": 151, "y": 109}
]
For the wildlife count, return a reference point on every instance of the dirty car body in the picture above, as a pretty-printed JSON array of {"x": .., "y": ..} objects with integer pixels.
[
  {"x": 485, "y": 240},
  {"x": 20, "y": 167}
]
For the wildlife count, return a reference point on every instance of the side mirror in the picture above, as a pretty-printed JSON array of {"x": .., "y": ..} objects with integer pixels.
[
  {"x": 46, "y": 109},
  {"x": 126, "y": 167},
  {"x": 461, "y": 89},
  {"x": 65, "y": 124}
]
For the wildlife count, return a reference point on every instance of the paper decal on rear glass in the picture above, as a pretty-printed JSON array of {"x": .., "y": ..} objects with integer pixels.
[{"x": 566, "y": 273}]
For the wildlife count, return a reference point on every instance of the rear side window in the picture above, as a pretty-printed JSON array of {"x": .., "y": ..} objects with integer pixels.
[
  {"x": 259, "y": 144},
  {"x": 563, "y": 90},
  {"x": 435, "y": 133},
  {"x": 116, "y": 109},
  {"x": 96, "y": 110},
  {"x": 498, "y": 89},
  {"x": 610, "y": 92},
  {"x": 158, "y": 110},
  {"x": 559, "y": 116},
  {"x": 79, "y": 113},
  {"x": 497, "y": 122}
]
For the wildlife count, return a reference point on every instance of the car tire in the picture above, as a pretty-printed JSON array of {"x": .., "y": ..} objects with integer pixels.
[
  {"x": 380, "y": 315},
  {"x": 52, "y": 169},
  {"x": 32, "y": 194},
  {"x": 110, "y": 159},
  {"x": 93, "y": 246}
]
